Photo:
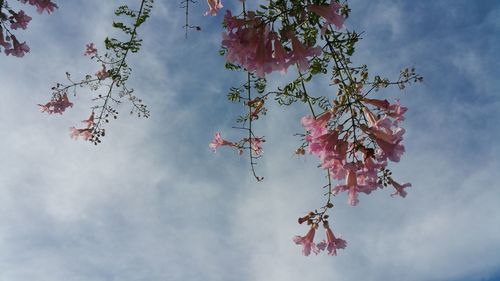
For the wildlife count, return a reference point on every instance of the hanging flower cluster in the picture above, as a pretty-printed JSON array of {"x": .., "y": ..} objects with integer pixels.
[
  {"x": 85, "y": 133},
  {"x": 58, "y": 104},
  {"x": 12, "y": 20},
  {"x": 109, "y": 81},
  {"x": 353, "y": 136},
  {"x": 254, "y": 144}
]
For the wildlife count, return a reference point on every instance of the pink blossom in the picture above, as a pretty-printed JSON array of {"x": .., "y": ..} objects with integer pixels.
[
  {"x": 86, "y": 133},
  {"x": 232, "y": 22},
  {"x": 396, "y": 111},
  {"x": 330, "y": 13},
  {"x": 242, "y": 40},
  {"x": 384, "y": 130},
  {"x": 21, "y": 20},
  {"x": 256, "y": 145},
  {"x": 279, "y": 55},
  {"x": 262, "y": 63},
  {"x": 393, "y": 151},
  {"x": 400, "y": 189},
  {"x": 103, "y": 73},
  {"x": 352, "y": 186},
  {"x": 90, "y": 121},
  {"x": 90, "y": 50},
  {"x": 316, "y": 126},
  {"x": 300, "y": 53},
  {"x": 41, "y": 5},
  {"x": 307, "y": 242},
  {"x": 251, "y": 44},
  {"x": 218, "y": 141},
  {"x": 332, "y": 243},
  {"x": 367, "y": 175},
  {"x": 214, "y": 6},
  {"x": 326, "y": 144},
  {"x": 19, "y": 49},
  {"x": 370, "y": 117},
  {"x": 56, "y": 105},
  {"x": 383, "y": 104},
  {"x": 387, "y": 136},
  {"x": 337, "y": 169}
]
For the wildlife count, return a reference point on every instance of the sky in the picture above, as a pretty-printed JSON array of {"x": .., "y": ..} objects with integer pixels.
[{"x": 152, "y": 202}]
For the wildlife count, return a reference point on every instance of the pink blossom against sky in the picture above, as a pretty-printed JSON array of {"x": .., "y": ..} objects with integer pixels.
[{"x": 152, "y": 202}]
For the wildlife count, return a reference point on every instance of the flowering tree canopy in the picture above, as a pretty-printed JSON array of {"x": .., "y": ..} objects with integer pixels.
[{"x": 354, "y": 133}]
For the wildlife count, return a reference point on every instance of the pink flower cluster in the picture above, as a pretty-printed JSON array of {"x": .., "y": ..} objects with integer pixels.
[
  {"x": 330, "y": 244},
  {"x": 56, "y": 105},
  {"x": 103, "y": 73},
  {"x": 255, "y": 144},
  {"x": 330, "y": 13},
  {"x": 18, "y": 50},
  {"x": 12, "y": 46},
  {"x": 352, "y": 159},
  {"x": 41, "y": 5},
  {"x": 85, "y": 133},
  {"x": 19, "y": 20},
  {"x": 251, "y": 44}
]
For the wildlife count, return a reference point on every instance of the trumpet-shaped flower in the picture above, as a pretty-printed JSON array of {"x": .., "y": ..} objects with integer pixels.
[
  {"x": 352, "y": 186},
  {"x": 85, "y": 133},
  {"x": 41, "y": 5},
  {"x": 400, "y": 188},
  {"x": 90, "y": 50},
  {"x": 19, "y": 49},
  {"x": 307, "y": 242},
  {"x": 213, "y": 7},
  {"x": 330, "y": 13},
  {"x": 103, "y": 73},
  {"x": 56, "y": 105},
  {"x": 396, "y": 111},
  {"x": 21, "y": 20},
  {"x": 256, "y": 145},
  {"x": 300, "y": 53},
  {"x": 331, "y": 244},
  {"x": 218, "y": 141}
]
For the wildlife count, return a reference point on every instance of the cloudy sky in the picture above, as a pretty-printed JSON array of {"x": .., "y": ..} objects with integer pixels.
[{"x": 153, "y": 203}]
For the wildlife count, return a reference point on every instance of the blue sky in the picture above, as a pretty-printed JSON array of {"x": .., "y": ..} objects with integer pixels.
[{"x": 153, "y": 203}]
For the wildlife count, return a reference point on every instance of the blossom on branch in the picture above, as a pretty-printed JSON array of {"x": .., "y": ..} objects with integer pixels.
[
  {"x": 85, "y": 133},
  {"x": 300, "y": 53},
  {"x": 251, "y": 44},
  {"x": 214, "y": 6},
  {"x": 352, "y": 186},
  {"x": 90, "y": 50},
  {"x": 332, "y": 243},
  {"x": 103, "y": 73},
  {"x": 256, "y": 145},
  {"x": 307, "y": 242},
  {"x": 218, "y": 141},
  {"x": 330, "y": 13},
  {"x": 400, "y": 188},
  {"x": 19, "y": 49},
  {"x": 41, "y": 5},
  {"x": 56, "y": 105},
  {"x": 19, "y": 20}
]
